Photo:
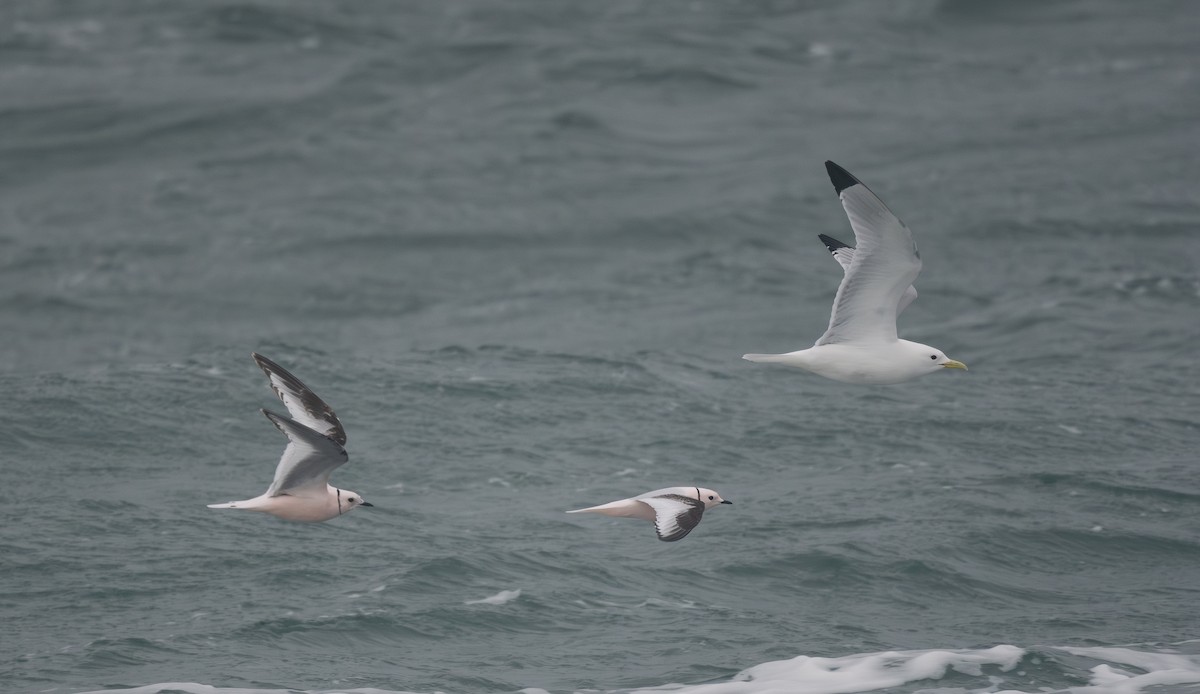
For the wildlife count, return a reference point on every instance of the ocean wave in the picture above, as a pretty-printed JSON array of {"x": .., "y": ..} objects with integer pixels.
[{"x": 1001, "y": 668}]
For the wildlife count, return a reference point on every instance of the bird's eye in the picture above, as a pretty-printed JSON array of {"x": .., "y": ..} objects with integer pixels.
[
  {"x": 933, "y": 357},
  {"x": 710, "y": 498}
]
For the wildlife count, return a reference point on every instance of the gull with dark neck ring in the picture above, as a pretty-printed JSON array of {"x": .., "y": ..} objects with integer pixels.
[
  {"x": 675, "y": 511},
  {"x": 316, "y": 440}
]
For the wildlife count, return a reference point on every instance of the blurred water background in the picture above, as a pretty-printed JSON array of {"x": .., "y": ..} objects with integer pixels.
[{"x": 520, "y": 248}]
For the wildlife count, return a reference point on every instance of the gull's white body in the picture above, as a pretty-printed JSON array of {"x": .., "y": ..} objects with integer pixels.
[
  {"x": 861, "y": 344},
  {"x": 865, "y": 364},
  {"x": 675, "y": 511},
  {"x": 330, "y": 502},
  {"x": 316, "y": 440}
]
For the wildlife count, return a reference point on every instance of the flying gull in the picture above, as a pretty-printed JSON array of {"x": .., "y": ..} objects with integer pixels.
[
  {"x": 861, "y": 344},
  {"x": 675, "y": 511},
  {"x": 316, "y": 440}
]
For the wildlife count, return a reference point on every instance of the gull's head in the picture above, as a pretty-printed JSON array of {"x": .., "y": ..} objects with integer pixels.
[
  {"x": 348, "y": 500},
  {"x": 933, "y": 359},
  {"x": 710, "y": 498}
]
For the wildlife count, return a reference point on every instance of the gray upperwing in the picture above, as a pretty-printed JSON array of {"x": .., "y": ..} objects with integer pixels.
[
  {"x": 307, "y": 462},
  {"x": 302, "y": 403},
  {"x": 885, "y": 264},
  {"x": 844, "y": 254}
]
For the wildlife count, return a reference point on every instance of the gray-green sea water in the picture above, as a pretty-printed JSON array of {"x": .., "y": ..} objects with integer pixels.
[{"x": 520, "y": 247}]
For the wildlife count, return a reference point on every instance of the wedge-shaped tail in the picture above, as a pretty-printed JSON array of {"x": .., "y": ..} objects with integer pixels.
[
  {"x": 765, "y": 357},
  {"x": 624, "y": 508}
]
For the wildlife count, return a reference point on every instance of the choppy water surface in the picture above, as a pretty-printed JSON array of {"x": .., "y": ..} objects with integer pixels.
[{"x": 519, "y": 248}]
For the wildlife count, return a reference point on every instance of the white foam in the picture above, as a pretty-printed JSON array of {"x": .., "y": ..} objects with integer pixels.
[
  {"x": 867, "y": 672},
  {"x": 1123, "y": 671},
  {"x": 500, "y": 598},
  {"x": 857, "y": 673},
  {"x": 1160, "y": 669}
]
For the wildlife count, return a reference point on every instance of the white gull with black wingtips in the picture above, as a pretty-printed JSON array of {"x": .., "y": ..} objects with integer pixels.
[
  {"x": 301, "y": 489},
  {"x": 675, "y": 511},
  {"x": 861, "y": 344}
]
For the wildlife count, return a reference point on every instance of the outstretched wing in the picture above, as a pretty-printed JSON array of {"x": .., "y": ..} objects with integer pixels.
[
  {"x": 302, "y": 404},
  {"x": 307, "y": 462},
  {"x": 674, "y": 515},
  {"x": 844, "y": 254},
  {"x": 885, "y": 263}
]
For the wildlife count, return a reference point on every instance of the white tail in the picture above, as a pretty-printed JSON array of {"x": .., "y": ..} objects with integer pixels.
[
  {"x": 622, "y": 508},
  {"x": 598, "y": 509},
  {"x": 764, "y": 357}
]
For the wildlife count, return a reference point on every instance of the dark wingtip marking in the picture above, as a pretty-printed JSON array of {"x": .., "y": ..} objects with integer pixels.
[
  {"x": 840, "y": 177},
  {"x": 265, "y": 364},
  {"x": 831, "y": 243}
]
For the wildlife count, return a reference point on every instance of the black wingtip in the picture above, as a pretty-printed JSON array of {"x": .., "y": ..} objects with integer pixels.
[
  {"x": 263, "y": 363},
  {"x": 831, "y": 243},
  {"x": 840, "y": 177}
]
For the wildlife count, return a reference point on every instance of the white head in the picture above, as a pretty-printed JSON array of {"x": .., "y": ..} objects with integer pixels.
[
  {"x": 710, "y": 498},
  {"x": 348, "y": 500},
  {"x": 926, "y": 359}
]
